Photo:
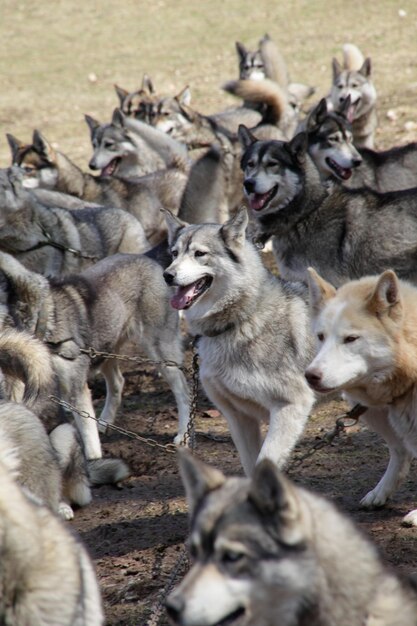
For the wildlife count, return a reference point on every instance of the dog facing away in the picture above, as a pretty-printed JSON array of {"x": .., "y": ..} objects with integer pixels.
[
  {"x": 121, "y": 298},
  {"x": 267, "y": 552},
  {"x": 55, "y": 240},
  {"x": 356, "y": 83},
  {"x": 46, "y": 575},
  {"x": 143, "y": 197},
  {"x": 367, "y": 347},
  {"x": 254, "y": 335},
  {"x": 343, "y": 233}
]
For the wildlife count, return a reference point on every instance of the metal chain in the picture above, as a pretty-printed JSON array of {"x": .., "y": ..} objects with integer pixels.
[
  {"x": 95, "y": 354},
  {"x": 157, "y": 609},
  {"x": 341, "y": 424},
  {"x": 168, "y": 447}
]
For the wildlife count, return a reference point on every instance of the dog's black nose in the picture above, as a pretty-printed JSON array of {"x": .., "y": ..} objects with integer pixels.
[
  {"x": 92, "y": 165},
  {"x": 174, "y": 605},
  {"x": 249, "y": 185},
  {"x": 169, "y": 278},
  {"x": 313, "y": 378},
  {"x": 356, "y": 162}
]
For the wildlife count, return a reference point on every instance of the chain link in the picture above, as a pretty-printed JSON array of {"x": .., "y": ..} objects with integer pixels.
[
  {"x": 95, "y": 354},
  {"x": 342, "y": 422}
]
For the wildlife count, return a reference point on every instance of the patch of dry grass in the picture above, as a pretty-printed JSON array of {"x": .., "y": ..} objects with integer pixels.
[{"x": 50, "y": 49}]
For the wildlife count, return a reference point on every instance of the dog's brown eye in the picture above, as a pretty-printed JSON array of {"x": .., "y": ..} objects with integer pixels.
[
  {"x": 198, "y": 253},
  {"x": 250, "y": 164},
  {"x": 350, "y": 339},
  {"x": 174, "y": 253},
  {"x": 320, "y": 336}
]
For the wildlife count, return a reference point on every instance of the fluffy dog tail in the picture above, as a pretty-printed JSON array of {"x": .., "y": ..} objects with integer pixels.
[
  {"x": 107, "y": 471},
  {"x": 353, "y": 58},
  {"x": 263, "y": 92},
  {"x": 24, "y": 358},
  {"x": 78, "y": 473}
]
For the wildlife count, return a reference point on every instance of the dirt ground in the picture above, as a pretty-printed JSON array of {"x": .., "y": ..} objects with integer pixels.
[
  {"x": 136, "y": 534},
  {"x": 59, "y": 61}
]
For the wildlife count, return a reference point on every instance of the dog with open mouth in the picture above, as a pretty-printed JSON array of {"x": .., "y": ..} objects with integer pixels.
[
  {"x": 344, "y": 233},
  {"x": 253, "y": 331}
]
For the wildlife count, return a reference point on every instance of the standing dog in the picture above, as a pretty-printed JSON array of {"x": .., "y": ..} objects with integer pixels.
[
  {"x": 343, "y": 233},
  {"x": 266, "y": 552},
  {"x": 254, "y": 337},
  {"x": 367, "y": 347},
  {"x": 119, "y": 299}
]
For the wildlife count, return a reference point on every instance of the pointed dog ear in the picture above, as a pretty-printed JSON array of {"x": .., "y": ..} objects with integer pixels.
[
  {"x": 386, "y": 297},
  {"x": 147, "y": 84},
  {"x": 297, "y": 148},
  {"x": 241, "y": 50},
  {"x": 91, "y": 123},
  {"x": 275, "y": 497},
  {"x": 198, "y": 478},
  {"x": 15, "y": 145},
  {"x": 184, "y": 97},
  {"x": 174, "y": 225},
  {"x": 118, "y": 118},
  {"x": 246, "y": 138},
  {"x": 320, "y": 291},
  {"x": 366, "y": 68},
  {"x": 317, "y": 115},
  {"x": 122, "y": 94},
  {"x": 43, "y": 147},
  {"x": 233, "y": 231},
  {"x": 336, "y": 68}
]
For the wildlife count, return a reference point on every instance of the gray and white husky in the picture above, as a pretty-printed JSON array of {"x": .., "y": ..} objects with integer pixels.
[
  {"x": 356, "y": 83},
  {"x": 343, "y": 233},
  {"x": 119, "y": 299},
  {"x": 266, "y": 552},
  {"x": 254, "y": 335}
]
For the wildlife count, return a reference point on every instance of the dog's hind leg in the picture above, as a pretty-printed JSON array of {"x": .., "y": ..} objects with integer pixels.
[
  {"x": 87, "y": 426},
  {"x": 114, "y": 388},
  {"x": 399, "y": 460}
]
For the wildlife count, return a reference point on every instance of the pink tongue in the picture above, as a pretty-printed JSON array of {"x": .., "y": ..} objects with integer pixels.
[
  {"x": 258, "y": 201},
  {"x": 183, "y": 297}
]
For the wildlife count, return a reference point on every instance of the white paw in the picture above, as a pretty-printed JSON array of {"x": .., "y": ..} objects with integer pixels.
[
  {"x": 181, "y": 440},
  {"x": 410, "y": 519},
  {"x": 374, "y": 499},
  {"x": 65, "y": 511}
]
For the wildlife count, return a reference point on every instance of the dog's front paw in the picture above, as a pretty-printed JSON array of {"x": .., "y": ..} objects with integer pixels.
[
  {"x": 65, "y": 511},
  {"x": 374, "y": 499},
  {"x": 410, "y": 519}
]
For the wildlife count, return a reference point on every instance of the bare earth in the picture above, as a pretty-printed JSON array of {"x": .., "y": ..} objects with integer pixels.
[{"x": 59, "y": 61}]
